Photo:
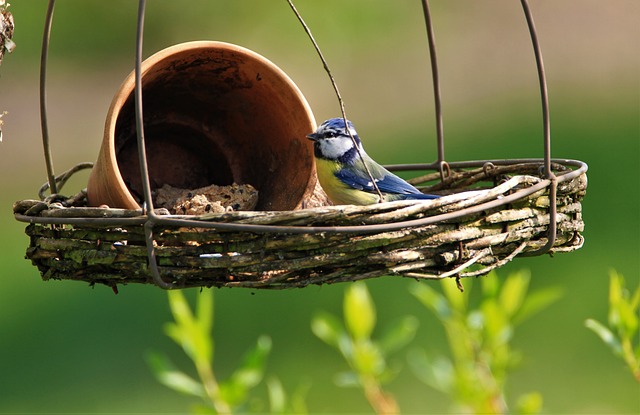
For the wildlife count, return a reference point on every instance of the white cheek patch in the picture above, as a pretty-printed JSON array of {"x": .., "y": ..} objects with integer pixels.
[{"x": 334, "y": 148}]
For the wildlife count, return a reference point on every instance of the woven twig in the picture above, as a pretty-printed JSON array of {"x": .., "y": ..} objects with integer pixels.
[{"x": 208, "y": 257}]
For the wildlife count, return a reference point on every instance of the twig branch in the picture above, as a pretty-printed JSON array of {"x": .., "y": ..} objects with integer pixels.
[{"x": 340, "y": 101}]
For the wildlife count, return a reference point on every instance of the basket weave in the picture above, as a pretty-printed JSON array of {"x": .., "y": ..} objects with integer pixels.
[{"x": 188, "y": 257}]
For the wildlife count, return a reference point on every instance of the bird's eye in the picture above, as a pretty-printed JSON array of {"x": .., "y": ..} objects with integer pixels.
[{"x": 331, "y": 134}]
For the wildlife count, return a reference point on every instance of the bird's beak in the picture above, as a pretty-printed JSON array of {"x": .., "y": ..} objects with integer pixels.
[{"x": 313, "y": 137}]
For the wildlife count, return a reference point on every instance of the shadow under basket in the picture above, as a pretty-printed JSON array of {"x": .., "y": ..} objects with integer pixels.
[{"x": 492, "y": 214}]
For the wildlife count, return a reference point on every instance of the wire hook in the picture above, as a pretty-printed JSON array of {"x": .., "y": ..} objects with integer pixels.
[
  {"x": 46, "y": 37},
  {"x": 546, "y": 122},
  {"x": 442, "y": 164},
  {"x": 144, "y": 170}
]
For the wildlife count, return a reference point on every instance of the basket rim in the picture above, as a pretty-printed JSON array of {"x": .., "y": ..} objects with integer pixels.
[{"x": 469, "y": 202}]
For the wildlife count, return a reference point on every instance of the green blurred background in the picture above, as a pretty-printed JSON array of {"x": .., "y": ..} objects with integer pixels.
[{"x": 65, "y": 347}]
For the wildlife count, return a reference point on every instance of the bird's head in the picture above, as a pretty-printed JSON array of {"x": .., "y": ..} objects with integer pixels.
[{"x": 332, "y": 141}]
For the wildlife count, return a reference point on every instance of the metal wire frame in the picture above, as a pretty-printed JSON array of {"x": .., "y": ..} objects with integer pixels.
[
  {"x": 150, "y": 219},
  {"x": 433, "y": 58},
  {"x": 44, "y": 125}
]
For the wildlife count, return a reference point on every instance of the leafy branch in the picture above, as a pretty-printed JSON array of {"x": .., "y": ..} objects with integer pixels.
[
  {"x": 623, "y": 322},
  {"x": 474, "y": 374},
  {"x": 367, "y": 358},
  {"x": 192, "y": 332},
  {"x": 479, "y": 340}
]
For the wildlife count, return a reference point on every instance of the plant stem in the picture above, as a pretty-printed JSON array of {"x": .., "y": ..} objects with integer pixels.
[
  {"x": 383, "y": 403},
  {"x": 630, "y": 359},
  {"x": 211, "y": 386}
]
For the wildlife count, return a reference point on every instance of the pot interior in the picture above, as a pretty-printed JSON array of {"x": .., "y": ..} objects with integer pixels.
[{"x": 217, "y": 116}]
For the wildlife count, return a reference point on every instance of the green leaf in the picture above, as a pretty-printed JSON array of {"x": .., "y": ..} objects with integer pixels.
[
  {"x": 622, "y": 307},
  {"x": 514, "y": 290},
  {"x": 180, "y": 308},
  {"x": 497, "y": 330},
  {"x": 191, "y": 334},
  {"x": 277, "y": 396},
  {"x": 616, "y": 292},
  {"x": 490, "y": 285},
  {"x": 457, "y": 299},
  {"x": 536, "y": 302},
  {"x": 327, "y": 328},
  {"x": 297, "y": 404},
  {"x": 432, "y": 300},
  {"x": 475, "y": 320},
  {"x": 368, "y": 358},
  {"x": 200, "y": 409},
  {"x": 529, "y": 404},
  {"x": 628, "y": 320},
  {"x": 605, "y": 334},
  {"x": 169, "y": 376},
  {"x": 250, "y": 373},
  {"x": 435, "y": 372},
  {"x": 204, "y": 310},
  {"x": 174, "y": 332},
  {"x": 252, "y": 368},
  {"x": 400, "y": 334},
  {"x": 635, "y": 300},
  {"x": 184, "y": 337},
  {"x": 616, "y": 287},
  {"x": 359, "y": 311},
  {"x": 280, "y": 403},
  {"x": 347, "y": 380}
]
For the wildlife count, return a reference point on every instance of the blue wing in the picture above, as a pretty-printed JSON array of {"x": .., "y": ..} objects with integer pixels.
[{"x": 356, "y": 177}]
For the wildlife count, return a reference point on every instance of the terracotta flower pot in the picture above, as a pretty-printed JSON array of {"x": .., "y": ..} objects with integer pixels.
[{"x": 214, "y": 113}]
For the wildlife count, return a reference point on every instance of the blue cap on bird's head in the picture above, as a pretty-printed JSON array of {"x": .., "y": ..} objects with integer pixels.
[
  {"x": 336, "y": 123},
  {"x": 334, "y": 127}
]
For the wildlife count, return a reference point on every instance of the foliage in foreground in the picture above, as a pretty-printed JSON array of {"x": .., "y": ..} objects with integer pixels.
[
  {"x": 473, "y": 376},
  {"x": 623, "y": 318},
  {"x": 192, "y": 332},
  {"x": 366, "y": 357}
]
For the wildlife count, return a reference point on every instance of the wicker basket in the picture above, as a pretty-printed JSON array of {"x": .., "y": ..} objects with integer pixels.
[{"x": 302, "y": 247}]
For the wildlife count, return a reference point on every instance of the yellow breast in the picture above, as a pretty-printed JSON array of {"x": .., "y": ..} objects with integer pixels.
[{"x": 338, "y": 192}]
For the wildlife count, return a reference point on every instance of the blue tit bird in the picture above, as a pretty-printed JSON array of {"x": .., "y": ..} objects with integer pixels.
[{"x": 341, "y": 170}]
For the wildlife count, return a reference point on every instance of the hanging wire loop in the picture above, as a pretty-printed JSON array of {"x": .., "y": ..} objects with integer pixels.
[
  {"x": 443, "y": 167},
  {"x": 62, "y": 179},
  {"x": 338, "y": 95},
  {"x": 46, "y": 36},
  {"x": 142, "y": 149},
  {"x": 546, "y": 123},
  {"x": 142, "y": 153}
]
